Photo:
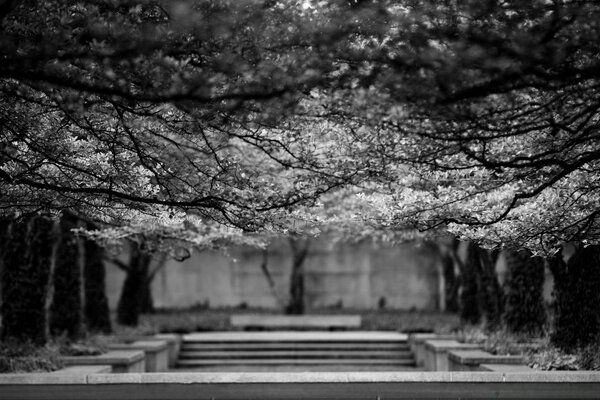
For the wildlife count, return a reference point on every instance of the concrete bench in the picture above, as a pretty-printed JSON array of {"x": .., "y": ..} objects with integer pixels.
[
  {"x": 259, "y": 321},
  {"x": 319, "y": 385},
  {"x": 173, "y": 342},
  {"x": 470, "y": 360},
  {"x": 436, "y": 352},
  {"x": 416, "y": 341},
  {"x": 156, "y": 353},
  {"x": 120, "y": 360}
]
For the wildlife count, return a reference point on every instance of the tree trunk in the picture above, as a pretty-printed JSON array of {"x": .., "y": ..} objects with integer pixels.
[
  {"x": 524, "y": 310},
  {"x": 470, "y": 311},
  {"x": 491, "y": 293},
  {"x": 97, "y": 315},
  {"x": 452, "y": 282},
  {"x": 66, "y": 310},
  {"x": 135, "y": 288},
  {"x": 27, "y": 257},
  {"x": 296, "y": 304},
  {"x": 577, "y": 299}
]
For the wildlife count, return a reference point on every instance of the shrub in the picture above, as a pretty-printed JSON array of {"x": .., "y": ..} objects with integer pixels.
[
  {"x": 18, "y": 357},
  {"x": 589, "y": 356}
]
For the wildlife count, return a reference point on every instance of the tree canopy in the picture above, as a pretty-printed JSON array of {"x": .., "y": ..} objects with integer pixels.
[{"x": 477, "y": 117}]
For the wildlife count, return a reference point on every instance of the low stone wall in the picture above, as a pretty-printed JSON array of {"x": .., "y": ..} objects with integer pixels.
[
  {"x": 267, "y": 321},
  {"x": 436, "y": 353},
  {"x": 471, "y": 360},
  {"x": 156, "y": 353},
  {"x": 127, "y": 361},
  {"x": 363, "y": 385},
  {"x": 416, "y": 341}
]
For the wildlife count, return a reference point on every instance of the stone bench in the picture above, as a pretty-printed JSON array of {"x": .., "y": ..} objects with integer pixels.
[
  {"x": 173, "y": 342},
  {"x": 416, "y": 341},
  {"x": 120, "y": 360},
  {"x": 156, "y": 353},
  {"x": 470, "y": 360},
  {"x": 317, "y": 385},
  {"x": 436, "y": 352},
  {"x": 266, "y": 321}
]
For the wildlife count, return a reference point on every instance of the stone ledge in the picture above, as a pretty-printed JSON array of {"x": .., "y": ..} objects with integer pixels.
[
  {"x": 85, "y": 369},
  {"x": 111, "y": 357},
  {"x": 438, "y": 345},
  {"x": 507, "y": 368},
  {"x": 477, "y": 357},
  {"x": 421, "y": 337},
  {"x": 148, "y": 346},
  {"x": 296, "y": 336},
  {"x": 302, "y": 377},
  {"x": 296, "y": 321}
]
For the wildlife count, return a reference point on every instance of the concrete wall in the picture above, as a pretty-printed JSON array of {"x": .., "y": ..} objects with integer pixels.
[{"x": 347, "y": 275}]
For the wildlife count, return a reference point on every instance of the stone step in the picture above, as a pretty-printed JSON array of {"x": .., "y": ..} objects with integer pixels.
[
  {"x": 183, "y": 363},
  {"x": 297, "y": 337},
  {"x": 294, "y": 354},
  {"x": 236, "y": 346}
]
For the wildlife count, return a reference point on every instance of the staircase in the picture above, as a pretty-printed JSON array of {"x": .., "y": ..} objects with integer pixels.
[{"x": 304, "y": 349}]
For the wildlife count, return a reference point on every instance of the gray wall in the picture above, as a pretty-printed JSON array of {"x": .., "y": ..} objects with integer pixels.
[{"x": 353, "y": 275}]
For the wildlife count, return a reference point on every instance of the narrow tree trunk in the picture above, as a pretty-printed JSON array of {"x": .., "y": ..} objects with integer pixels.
[
  {"x": 470, "y": 311},
  {"x": 491, "y": 293},
  {"x": 66, "y": 311},
  {"x": 25, "y": 278},
  {"x": 524, "y": 310},
  {"x": 451, "y": 280},
  {"x": 296, "y": 304},
  {"x": 97, "y": 314}
]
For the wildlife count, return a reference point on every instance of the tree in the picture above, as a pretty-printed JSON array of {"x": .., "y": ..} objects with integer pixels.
[
  {"x": 96, "y": 312},
  {"x": 67, "y": 308},
  {"x": 296, "y": 303},
  {"x": 467, "y": 128},
  {"x": 576, "y": 319},
  {"x": 476, "y": 118},
  {"x": 27, "y": 249},
  {"x": 178, "y": 103},
  {"x": 525, "y": 311}
]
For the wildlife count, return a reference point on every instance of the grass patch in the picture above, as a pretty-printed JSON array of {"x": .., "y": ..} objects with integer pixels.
[{"x": 20, "y": 357}]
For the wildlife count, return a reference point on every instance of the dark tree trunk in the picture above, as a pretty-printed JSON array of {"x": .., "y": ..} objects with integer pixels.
[
  {"x": 66, "y": 311},
  {"x": 491, "y": 293},
  {"x": 577, "y": 299},
  {"x": 470, "y": 311},
  {"x": 135, "y": 288},
  {"x": 452, "y": 281},
  {"x": 524, "y": 310},
  {"x": 97, "y": 315},
  {"x": 147, "y": 303},
  {"x": 296, "y": 304},
  {"x": 27, "y": 258}
]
